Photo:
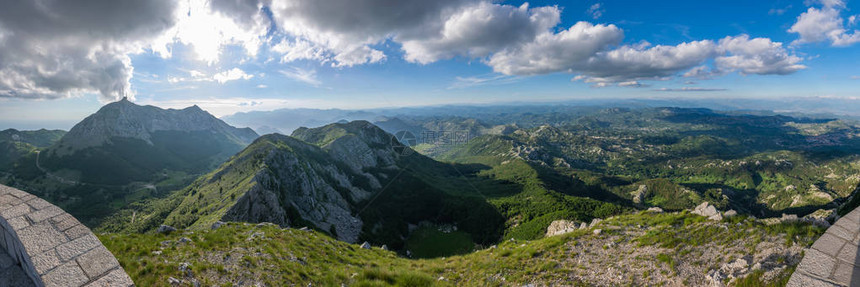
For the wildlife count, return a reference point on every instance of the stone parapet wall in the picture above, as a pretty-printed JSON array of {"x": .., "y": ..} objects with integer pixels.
[
  {"x": 834, "y": 259},
  {"x": 52, "y": 247}
]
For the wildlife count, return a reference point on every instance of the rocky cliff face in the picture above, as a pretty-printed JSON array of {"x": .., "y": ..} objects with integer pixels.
[
  {"x": 318, "y": 192},
  {"x": 313, "y": 179}
]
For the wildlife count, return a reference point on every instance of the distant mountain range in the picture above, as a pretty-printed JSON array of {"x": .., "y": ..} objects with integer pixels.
[{"x": 284, "y": 121}]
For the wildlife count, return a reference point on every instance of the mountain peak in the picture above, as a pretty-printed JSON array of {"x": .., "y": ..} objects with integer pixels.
[{"x": 126, "y": 119}]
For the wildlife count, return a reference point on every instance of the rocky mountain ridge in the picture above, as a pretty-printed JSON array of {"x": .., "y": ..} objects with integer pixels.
[{"x": 128, "y": 120}]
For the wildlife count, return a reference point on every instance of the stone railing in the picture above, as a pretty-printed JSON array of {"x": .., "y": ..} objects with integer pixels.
[
  {"x": 834, "y": 259},
  {"x": 51, "y": 246}
]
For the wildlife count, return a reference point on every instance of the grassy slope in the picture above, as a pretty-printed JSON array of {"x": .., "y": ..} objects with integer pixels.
[
  {"x": 533, "y": 203},
  {"x": 273, "y": 256}
]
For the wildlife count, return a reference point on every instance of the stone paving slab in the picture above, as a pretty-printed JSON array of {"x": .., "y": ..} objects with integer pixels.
[
  {"x": 834, "y": 259},
  {"x": 50, "y": 247}
]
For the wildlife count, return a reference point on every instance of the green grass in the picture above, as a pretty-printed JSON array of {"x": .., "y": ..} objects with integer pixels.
[
  {"x": 429, "y": 242},
  {"x": 281, "y": 257}
]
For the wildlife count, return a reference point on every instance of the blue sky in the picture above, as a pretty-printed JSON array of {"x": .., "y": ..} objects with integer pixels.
[{"x": 276, "y": 54}]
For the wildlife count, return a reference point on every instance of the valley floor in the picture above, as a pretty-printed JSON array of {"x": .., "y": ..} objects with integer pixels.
[{"x": 648, "y": 249}]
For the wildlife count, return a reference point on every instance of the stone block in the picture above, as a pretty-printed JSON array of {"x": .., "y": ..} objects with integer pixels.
[
  {"x": 842, "y": 232},
  {"x": 46, "y": 261},
  {"x": 77, "y": 231},
  {"x": 817, "y": 263},
  {"x": 97, "y": 262},
  {"x": 846, "y": 274},
  {"x": 9, "y": 199},
  {"x": 39, "y": 238},
  {"x": 848, "y": 225},
  {"x": 115, "y": 278},
  {"x": 853, "y": 215},
  {"x": 15, "y": 211},
  {"x": 38, "y": 203},
  {"x": 799, "y": 279},
  {"x": 849, "y": 254},
  {"x": 18, "y": 223},
  {"x": 45, "y": 213},
  {"x": 66, "y": 275},
  {"x": 66, "y": 224},
  {"x": 17, "y": 193},
  {"x": 829, "y": 244},
  {"x": 77, "y": 247}
]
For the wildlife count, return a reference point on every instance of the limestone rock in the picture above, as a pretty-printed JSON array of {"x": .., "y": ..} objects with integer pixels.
[
  {"x": 655, "y": 209},
  {"x": 730, "y": 213},
  {"x": 165, "y": 229},
  {"x": 559, "y": 227},
  {"x": 217, "y": 224},
  {"x": 639, "y": 194},
  {"x": 365, "y": 245},
  {"x": 707, "y": 210}
]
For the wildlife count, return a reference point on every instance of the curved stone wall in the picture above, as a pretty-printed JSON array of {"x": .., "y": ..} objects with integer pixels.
[
  {"x": 834, "y": 259},
  {"x": 51, "y": 246}
]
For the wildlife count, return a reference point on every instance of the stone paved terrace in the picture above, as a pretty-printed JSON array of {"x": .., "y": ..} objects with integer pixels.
[
  {"x": 834, "y": 259},
  {"x": 50, "y": 246}
]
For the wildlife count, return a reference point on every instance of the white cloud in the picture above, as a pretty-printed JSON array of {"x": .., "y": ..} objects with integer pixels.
[
  {"x": 756, "y": 56},
  {"x": 825, "y": 25},
  {"x": 479, "y": 30},
  {"x": 231, "y": 75},
  {"x": 591, "y": 51},
  {"x": 220, "y": 77},
  {"x": 343, "y": 31},
  {"x": 633, "y": 84},
  {"x": 56, "y": 49},
  {"x": 689, "y": 89},
  {"x": 302, "y": 75},
  {"x": 701, "y": 72},
  {"x": 261, "y": 86},
  {"x": 474, "y": 81},
  {"x": 596, "y": 11},
  {"x": 556, "y": 52},
  {"x": 779, "y": 11}
]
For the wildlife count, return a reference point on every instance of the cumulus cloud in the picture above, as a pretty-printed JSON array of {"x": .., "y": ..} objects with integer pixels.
[
  {"x": 231, "y": 75},
  {"x": 54, "y": 49},
  {"x": 481, "y": 29},
  {"x": 343, "y": 31},
  {"x": 825, "y": 24},
  {"x": 593, "y": 51},
  {"x": 556, "y": 52},
  {"x": 756, "y": 56}
]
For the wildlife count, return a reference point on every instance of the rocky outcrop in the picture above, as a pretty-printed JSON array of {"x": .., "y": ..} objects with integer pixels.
[
  {"x": 707, "y": 210},
  {"x": 639, "y": 194},
  {"x": 560, "y": 227}
]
